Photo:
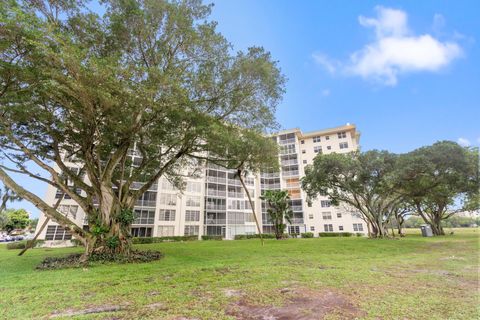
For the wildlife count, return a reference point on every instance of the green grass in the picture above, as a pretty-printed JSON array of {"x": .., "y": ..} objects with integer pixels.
[{"x": 411, "y": 278}]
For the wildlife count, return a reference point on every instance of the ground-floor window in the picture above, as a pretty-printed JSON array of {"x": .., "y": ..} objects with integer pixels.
[
  {"x": 294, "y": 229},
  {"x": 340, "y": 228},
  {"x": 215, "y": 231},
  {"x": 141, "y": 232},
  {"x": 166, "y": 231},
  {"x": 57, "y": 233},
  {"x": 191, "y": 230},
  {"x": 357, "y": 227},
  {"x": 328, "y": 227},
  {"x": 268, "y": 229}
]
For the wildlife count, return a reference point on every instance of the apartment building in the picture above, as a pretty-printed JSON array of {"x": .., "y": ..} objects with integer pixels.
[{"x": 216, "y": 204}]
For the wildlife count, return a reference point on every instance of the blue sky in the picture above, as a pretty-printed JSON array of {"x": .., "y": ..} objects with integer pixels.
[{"x": 406, "y": 73}]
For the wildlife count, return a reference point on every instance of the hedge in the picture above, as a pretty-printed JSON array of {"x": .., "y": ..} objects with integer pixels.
[
  {"x": 212, "y": 237},
  {"x": 307, "y": 235},
  {"x": 21, "y": 244},
  {"x": 163, "y": 239},
  {"x": 254, "y": 236},
  {"x": 335, "y": 234}
]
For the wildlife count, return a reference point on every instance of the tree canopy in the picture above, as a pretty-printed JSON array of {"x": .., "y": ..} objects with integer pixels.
[{"x": 143, "y": 91}]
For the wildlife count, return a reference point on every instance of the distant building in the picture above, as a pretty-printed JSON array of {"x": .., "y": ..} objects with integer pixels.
[{"x": 215, "y": 203}]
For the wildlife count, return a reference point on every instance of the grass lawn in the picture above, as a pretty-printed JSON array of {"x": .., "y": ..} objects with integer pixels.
[{"x": 335, "y": 278}]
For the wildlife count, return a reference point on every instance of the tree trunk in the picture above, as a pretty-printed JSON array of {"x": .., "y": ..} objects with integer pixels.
[{"x": 239, "y": 173}]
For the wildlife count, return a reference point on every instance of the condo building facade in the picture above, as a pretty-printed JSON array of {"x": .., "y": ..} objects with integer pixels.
[{"x": 215, "y": 203}]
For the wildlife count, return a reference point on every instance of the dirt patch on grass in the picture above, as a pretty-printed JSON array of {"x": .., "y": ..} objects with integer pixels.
[{"x": 303, "y": 304}]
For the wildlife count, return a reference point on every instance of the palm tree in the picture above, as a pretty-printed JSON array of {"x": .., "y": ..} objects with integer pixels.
[{"x": 278, "y": 208}]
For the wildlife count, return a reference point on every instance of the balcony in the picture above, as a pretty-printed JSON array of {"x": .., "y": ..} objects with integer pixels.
[
  {"x": 215, "y": 221},
  {"x": 290, "y": 173},
  {"x": 287, "y": 141},
  {"x": 297, "y": 220},
  {"x": 234, "y": 182},
  {"x": 290, "y": 162},
  {"x": 297, "y": 208},
  {"x": 270, "y": 186},
  {"x": 270, "y": 175},
  {"x": 235, "y": 194},
  {"x": 216, "y": 193},
  {"x": 216, "y": 207},
  {"x": 145, "y": 203},
  {"x": 217, "y": 180}
]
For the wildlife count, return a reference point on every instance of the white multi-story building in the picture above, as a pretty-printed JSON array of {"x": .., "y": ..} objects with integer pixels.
[{"x": 216, "y": 204}]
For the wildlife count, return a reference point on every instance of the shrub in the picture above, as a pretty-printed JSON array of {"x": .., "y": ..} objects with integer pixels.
[
  {"x": 21, "y": 244},
  {"x": 307, "y": 235},
  {"x": 254, "y": 236},
  {"x": 335, "y": 234},
  {"x": 163, "y": 239},
  {"x": 293, "y": 235},
  {"x": 73, "y": 260},
  {"x": 212, "y": 237}
]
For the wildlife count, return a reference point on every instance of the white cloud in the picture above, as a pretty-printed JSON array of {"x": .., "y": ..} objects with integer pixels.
[
  {"x": 464, "y": 142},
  {"x": 325, "y": 92},
  {"x": 325, "y": 62},
  {"x": 395, "y": 50}
]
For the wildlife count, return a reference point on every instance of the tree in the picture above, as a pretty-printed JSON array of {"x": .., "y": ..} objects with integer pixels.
[
  {"x": 17, "y": 219},
  {"x": 7, "y": 196},
  {"x": 278, "y": 209},
  {"x": 440, "y": 180},
  {"x": 399, "y": 213},
  {"x": 121, "y": 99},
  {"x": 361, "y": 180}
]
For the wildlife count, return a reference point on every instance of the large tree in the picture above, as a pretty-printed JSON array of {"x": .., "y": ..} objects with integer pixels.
[
  {"x": 440, "y": 180},
  {"x": 139, "y": 92},
  {"x": 362, "y": 181}
]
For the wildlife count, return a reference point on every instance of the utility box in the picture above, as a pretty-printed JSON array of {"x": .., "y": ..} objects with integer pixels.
[{"x": 426, "y": 230}]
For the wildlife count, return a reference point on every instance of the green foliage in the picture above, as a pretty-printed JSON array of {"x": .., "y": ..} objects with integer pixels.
[
  {"x": 92, "y": 86},
  {"x": 307, "y": 235},
  {"x": 436, "y": 178},
  {"x": 16, "y": 219},
  {"x": 206, "y": 237},
  {"x": 278, "y": 209},
  {"x": 254, "y": 236},
  {"x": 22, "y": 244},
  {"x": 98, "y": 230},
  {"x": 363, "y": 181},
  {"x": 337, "y": 234},
  {"x": 163, "y": 239},
  {"x": 126, "y": 217},
  {"x": 112, "y": 242}
]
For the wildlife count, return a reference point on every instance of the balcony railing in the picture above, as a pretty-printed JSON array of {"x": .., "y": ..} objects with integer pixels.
[
  {"x": 297, "y": 220},
  {"x": 289, "y": 162},
  {"x": 270, "y": 175},
  {"x": 235, "y": 194},
  {"x": 216, "y": 180},
  {"x": 145, "y": 203},
  {"x": 234, "y": 182},
  {"x": 287, "y": 141},
  {"x": 216, "y": 221},
  {"x": 290, "y": 173},
  {"x": 215, "y": 207},
  {"x": 271, "y": 186},
  {"x": 216, "y": 193},
  {"x": 297, "y": 208}
]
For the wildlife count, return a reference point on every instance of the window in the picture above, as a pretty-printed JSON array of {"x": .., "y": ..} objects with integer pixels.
[
  {"x": 329, "y": 147},
  {"x": 294, "y": 229},
  {"x": 192, "y": 215},
  {"x": 69, "y": 211},
  {"x": 357, "y": 227},
  {"x": 141, "y": 232},
  {"x": 304, "y": 161},
  {"x": 317, "y": 149},
  {"x": 287, "y": 149},
  {"x": 191, "y": 231},
  {"x": 193, "y": 201},
  {"x": 57, "y": 233},
  {"x": 327, "y": 215},
  {"x": 303, "y": 151},
  {"x": 165, "y": 231},
  {"x": 148, "y": 199},
  {"x": 310, "y": 216},
  {"x": 312, "y": 228},
  {"x": 340, "y": 228},
  {"x": 193, "y": 186},
  {"x": 316, "y": 139},
  {"x": 342, "y": 135},
  {"x": 328, "y": 227},
  {"x": 327, "y": 137},
  {"x": 144, "y": 216},
  {"x": 166, "y": 185},
  {"x": 309, "y": 204},
  {"x": 339, "y": 215},
  {"x": 166, "y": 215},
  {"x": 343, "y": 145},
  {"x": 302, "y": 142},
  {"x": 325, "y": 203},
  {"x": 168, "y": 199}
]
